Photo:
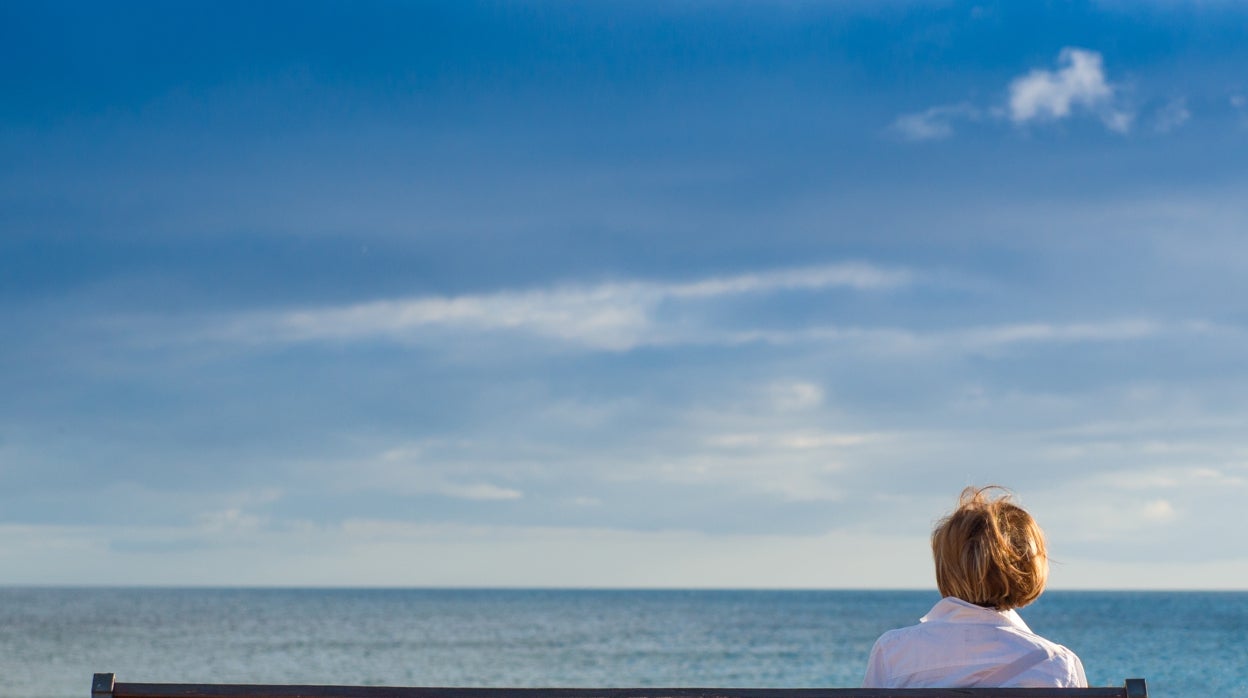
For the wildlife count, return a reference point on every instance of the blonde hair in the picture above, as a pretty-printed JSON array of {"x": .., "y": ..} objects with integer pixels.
[{"x": 989, "y": 551}]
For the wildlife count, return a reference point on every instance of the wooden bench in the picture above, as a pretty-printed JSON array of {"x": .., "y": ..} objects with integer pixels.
[{"x": 106, "y": 686}]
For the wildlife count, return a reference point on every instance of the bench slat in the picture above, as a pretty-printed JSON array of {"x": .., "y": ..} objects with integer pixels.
[
  {"x": 101, "y": 685},
  {"x": 171, "y": 690}
]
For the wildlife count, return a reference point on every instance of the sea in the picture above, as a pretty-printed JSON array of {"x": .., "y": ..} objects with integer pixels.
[{"x": 53, "y": 639}]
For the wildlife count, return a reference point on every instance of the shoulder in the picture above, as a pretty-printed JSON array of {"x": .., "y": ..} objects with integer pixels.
[
  {"x": 1056, "y": 652},
  {"x": 895, "y": 637},
  {"x": 1068, "y": 657},
  {"x": 1064, "y": 667},
  {"x": 887, "y": 655}
]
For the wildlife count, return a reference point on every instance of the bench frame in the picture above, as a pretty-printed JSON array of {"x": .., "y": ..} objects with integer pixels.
[{"x": 106, "y": 686}]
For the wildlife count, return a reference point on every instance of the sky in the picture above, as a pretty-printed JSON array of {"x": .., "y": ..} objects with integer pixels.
[{"x": 619, "y": 294}]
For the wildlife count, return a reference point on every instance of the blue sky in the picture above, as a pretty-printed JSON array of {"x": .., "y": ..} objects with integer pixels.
[{"x": 618, "y": 294}]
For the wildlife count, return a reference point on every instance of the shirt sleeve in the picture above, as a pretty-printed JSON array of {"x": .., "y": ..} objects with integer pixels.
[
  {"x": 876, "y": 675},
  {"x": 1077, "y": 677}
]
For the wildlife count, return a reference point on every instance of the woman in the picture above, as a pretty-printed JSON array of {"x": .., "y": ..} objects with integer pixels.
[{"x": 990, "y": 559}]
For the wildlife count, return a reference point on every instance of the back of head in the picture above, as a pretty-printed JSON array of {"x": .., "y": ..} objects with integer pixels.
[{"x": 989, "y": 551}]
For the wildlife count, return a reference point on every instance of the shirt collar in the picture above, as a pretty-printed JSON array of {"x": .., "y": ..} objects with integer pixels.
[{"x": 954, "y": 610}]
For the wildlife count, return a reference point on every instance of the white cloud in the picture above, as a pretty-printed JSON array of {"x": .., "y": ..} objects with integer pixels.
[
  {"x": 935, "y": 123},
  {"x": 621, "y": 316},
  {"x": 862, "y": 277},
  {"x": 1194, "y": 478},
  {"x": 787, "y": 441},
  {"x": 1159, "y": 511},
  {"x": 795, "y": 397},
  {"x": 1173, "y": 115},
  {"x": 431, "y": 467},
  {"x": 1112, "y": 517},
  {"x": 741, "y": 445},
  {"x": 609, "y": 316},
  {"x": 1078, "y": 83},
  {"x": 230, "y": 522},
  {"x": 477, "y": 491},
  {"x": 903, "y": 341},
  {"x": 1001, "y": 335}
]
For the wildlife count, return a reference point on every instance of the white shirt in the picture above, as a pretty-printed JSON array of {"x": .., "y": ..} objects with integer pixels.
[{"x": 961, "y": 645}]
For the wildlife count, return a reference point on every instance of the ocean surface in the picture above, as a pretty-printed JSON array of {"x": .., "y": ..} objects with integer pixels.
[{"x": 52, "y": 640}]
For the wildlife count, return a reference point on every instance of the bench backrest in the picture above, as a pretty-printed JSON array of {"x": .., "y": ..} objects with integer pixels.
[{"x": 105, "y": 686}]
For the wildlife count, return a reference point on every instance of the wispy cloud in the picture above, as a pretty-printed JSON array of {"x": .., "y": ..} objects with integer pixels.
[
  {"x": 1239, "y": 103},
  {"x": 609, "y": 316},
  {"x": 897, "y": 340},
  {"x": 626, "y": 315},
  {"x": 1171, "y": 116},
  {"x": 1169, "y": 478},
  {"x": 1079, "y": 83},
  {"x": 1117, "y": 330},
  {"x": 933, "y": 124},
  {"x": 795, "y": 396},
  {"x": 862, "y": 277},
  {"x": 432, "y": 467}
]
